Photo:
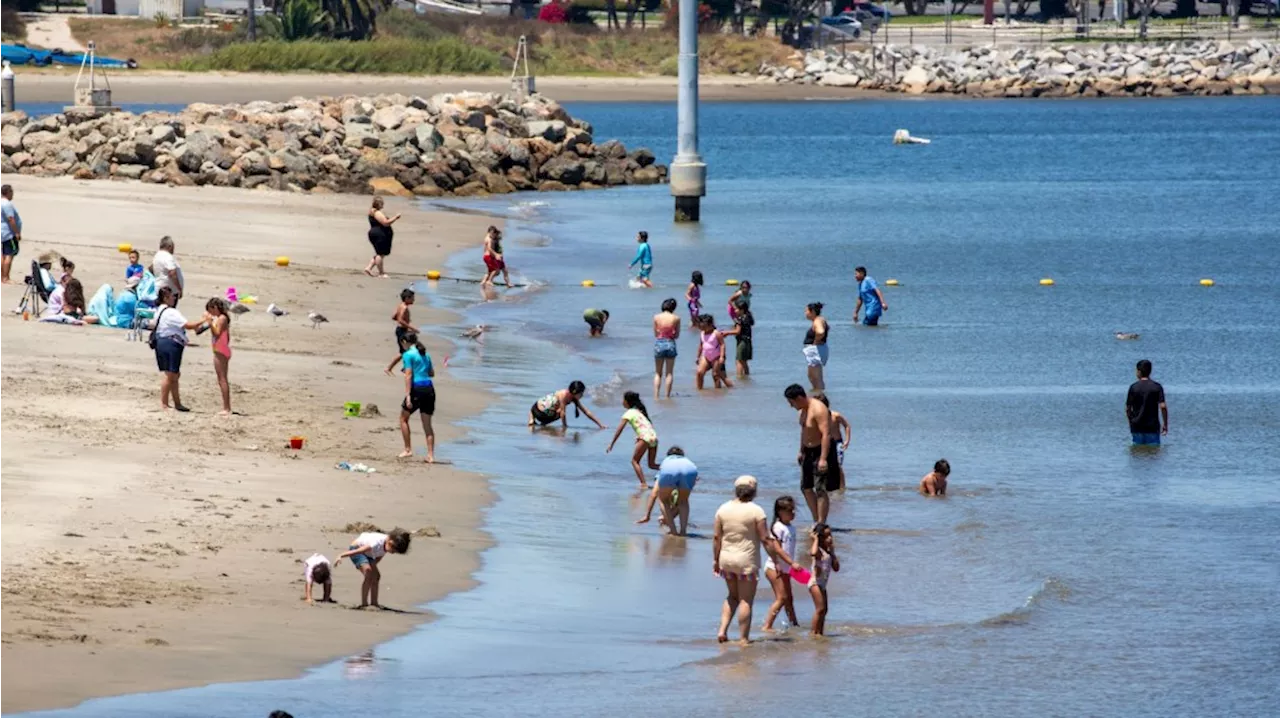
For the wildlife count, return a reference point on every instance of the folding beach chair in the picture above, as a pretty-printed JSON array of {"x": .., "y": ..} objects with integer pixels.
[{"x": 35, "y": 292}]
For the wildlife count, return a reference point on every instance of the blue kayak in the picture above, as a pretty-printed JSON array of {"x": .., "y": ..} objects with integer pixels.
[{"x": 23, "y": 55}]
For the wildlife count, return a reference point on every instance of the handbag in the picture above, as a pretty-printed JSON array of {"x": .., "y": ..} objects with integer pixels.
[{"x": 151, "y": 338}]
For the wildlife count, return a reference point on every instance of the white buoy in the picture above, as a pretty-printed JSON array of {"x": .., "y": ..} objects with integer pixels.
[{"x": 902, "y": 137}]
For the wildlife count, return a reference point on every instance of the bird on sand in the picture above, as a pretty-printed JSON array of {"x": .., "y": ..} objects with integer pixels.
[
  {"x": 239, "y": 308},
  {"x": 275, "y": 311},
  {"x": 1127, "y": 335},
  {"x": 316, "y": 319}
]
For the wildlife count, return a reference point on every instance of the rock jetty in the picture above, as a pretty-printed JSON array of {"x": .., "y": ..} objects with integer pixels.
[
  {"x": 1107, "y": 70},
  {"x": 461, "y": 144}
]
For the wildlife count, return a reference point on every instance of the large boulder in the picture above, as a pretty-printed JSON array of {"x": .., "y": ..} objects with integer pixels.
[
  {"x": 553, "y": 130},
  {"x": 389, "y": 186},
  {"x": 427, "y": 138},
  {"x": 563, "y": 169},
  {"x": 358, "y": 134},
  {"x": 389, "y": 118}
]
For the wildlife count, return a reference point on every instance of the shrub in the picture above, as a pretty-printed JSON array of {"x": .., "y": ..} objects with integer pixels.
[
  {"x": 14, "y": 27},
  {"x": 399, "y": 56},
  {"x": 554, "y": 13},
  {"x": 298, "y": 20}
]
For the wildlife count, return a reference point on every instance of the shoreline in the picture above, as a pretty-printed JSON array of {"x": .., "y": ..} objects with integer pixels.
[
  {"x": 165, "y": 87},
  {"x": 175, "y": 560}
]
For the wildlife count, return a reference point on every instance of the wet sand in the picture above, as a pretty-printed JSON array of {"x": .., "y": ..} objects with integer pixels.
[
  {"x": 146, "y": 550},
  {"x": 185, "y": 88}
]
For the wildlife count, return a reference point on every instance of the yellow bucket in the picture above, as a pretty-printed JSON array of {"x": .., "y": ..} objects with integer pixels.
[{"x": 282, "y": 261}]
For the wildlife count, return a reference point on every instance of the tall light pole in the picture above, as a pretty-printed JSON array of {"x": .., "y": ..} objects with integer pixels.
[{"x": 688, "y": 171}]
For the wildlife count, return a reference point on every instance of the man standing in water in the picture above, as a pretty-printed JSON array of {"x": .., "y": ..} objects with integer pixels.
[
  {"x": 816, "y": 480},
  {"x": 1145, "y": 408},
  {"x": 869, "y": 296}
]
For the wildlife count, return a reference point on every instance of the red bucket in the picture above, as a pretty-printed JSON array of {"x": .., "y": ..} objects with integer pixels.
[{"x": 296, "y": 442}]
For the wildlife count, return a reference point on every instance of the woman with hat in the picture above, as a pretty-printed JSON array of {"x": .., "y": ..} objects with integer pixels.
[{"x": 739, "y": 530}]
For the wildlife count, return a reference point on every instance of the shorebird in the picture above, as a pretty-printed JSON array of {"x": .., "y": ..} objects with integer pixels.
[
  {"x": 239, "y": 308},
  {"x": 476, "y": 332},
  {"x": 316, "y": 319},
  {"x": 275, "y": 311},
  {"x": 1127, "y": 335}
]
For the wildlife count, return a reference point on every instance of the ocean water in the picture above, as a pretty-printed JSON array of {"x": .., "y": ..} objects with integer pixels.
[{"x": 1066, "y": 573}]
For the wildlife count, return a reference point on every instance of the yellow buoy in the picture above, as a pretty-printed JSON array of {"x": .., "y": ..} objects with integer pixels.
[
  {"x": 124, "y": 248},
  {"x": 433, "y": 274},
  {"x": 282, "y": 261},
  {"x": 588, "y": 283},
  {"x": 1206, "y": 282},
  {"x": 1046, "y": 282},
  {"x": 731, "y": 282},
  {"x": 890, "y": 282}
]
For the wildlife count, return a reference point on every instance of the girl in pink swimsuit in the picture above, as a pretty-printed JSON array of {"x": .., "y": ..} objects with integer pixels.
[
  {"x": 711, "y": 354},
  {"x": 218, "y": 316}
]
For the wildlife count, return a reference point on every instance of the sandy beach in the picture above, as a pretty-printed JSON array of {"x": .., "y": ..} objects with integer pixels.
[
  {"x": 185, "y": 88},
  {"x": 146, "y": 550}
]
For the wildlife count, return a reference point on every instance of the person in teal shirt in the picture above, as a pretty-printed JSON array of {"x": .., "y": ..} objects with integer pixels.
[
  {"x": 419, "y": 395},
  {"x": 644, "y": 257}
]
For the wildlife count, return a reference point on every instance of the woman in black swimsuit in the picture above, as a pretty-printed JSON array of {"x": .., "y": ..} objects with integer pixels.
[
  {"x": 380, "y": 235},
  {"x": 815, "y": 346}
]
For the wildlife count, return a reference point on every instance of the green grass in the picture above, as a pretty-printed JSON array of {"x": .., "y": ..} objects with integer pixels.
[
  {"x": 445, "y": 56},
  {"x": 905, "y": 20}
]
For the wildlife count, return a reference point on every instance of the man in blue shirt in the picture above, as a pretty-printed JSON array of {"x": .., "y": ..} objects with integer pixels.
[
  {"x": 419, "y": 395},
  {"x": 10, "y": 230},
  {"x": 869, "y": 296},
  {"x": 676, "y": 479}
]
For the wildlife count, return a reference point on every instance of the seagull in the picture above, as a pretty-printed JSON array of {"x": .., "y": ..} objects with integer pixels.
[
  {"x": 476, "y": 332},
  {"x": 1127, "y": 335},
  {"x": 275, "y": 311},
  {"x": 316, "y": 319},
  {"x": 239, "y": 308}
]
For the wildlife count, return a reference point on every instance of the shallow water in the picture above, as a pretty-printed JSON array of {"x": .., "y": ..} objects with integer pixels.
[{"x": 1066, "y": 573}]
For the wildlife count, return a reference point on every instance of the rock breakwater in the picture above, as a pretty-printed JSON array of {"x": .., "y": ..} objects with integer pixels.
[
  {"x": 1102, "y": 70},
  {"x": 460, "y": 144}
]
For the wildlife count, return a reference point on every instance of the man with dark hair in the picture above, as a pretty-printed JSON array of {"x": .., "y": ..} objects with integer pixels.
[
  {"x": 869, "y": 296},
  {"x": 1145, "y": 408},
  {"x": 816, "y": 479}
]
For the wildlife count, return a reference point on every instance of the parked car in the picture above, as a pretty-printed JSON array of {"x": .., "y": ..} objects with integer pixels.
[{"x": 845, "y": 23}]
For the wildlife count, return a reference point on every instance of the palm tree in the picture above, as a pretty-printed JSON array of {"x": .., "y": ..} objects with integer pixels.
[{"x": 354, "y": 19}]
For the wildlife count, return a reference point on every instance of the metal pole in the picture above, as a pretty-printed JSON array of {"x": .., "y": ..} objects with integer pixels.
[
  {"x": 9, "y": 101},
  {"x": 688, "y": 171},
  {"x": 947, "y": 28},
  {"x": 253, "y": 22}
]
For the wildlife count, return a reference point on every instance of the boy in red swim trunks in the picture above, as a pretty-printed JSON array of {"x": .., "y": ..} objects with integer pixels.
[{"x": 493, "y": 262}]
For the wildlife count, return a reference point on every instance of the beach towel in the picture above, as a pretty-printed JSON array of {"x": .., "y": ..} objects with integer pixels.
[{"x": 147, "y": 291}]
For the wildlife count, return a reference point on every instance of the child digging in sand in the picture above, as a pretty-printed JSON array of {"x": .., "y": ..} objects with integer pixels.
[
  {"x": 646, "y": 438},
  {"x": 317, "y": 570},
  {"x": 366, "y": 553}
]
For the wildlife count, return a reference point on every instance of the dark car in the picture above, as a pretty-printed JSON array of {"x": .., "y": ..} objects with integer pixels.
[{"x": 880, "y": 12}]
